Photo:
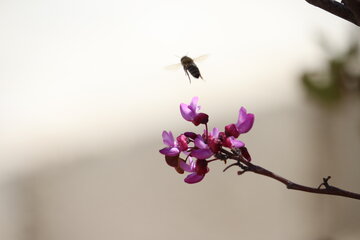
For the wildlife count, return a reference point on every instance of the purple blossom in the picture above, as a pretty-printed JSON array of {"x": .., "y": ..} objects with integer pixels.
[
  {"x": 190, "y": 112},
  {"x": 245, "y": 121},
  {"x": 232, "y": 142},
  {"x": 182, "y": 142},
  {"x": 202, "y": 151},
  {"x": 231, "y": 130},
  {"x": 197, "y": 170},
  {"x": 244, "y": 124},
  {"x": 214, "y": 140},
  {"x": 225, "y": 139},
  {"x": 199, "y": 148},
  {"x": 174, "y": 148}
]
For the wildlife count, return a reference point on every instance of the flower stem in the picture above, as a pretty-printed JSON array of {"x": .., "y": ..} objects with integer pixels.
[{"x": 206, "y": 133}]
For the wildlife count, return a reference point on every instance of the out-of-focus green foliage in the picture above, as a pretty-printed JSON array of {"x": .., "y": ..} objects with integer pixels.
[{"x": 341, "y": 77}]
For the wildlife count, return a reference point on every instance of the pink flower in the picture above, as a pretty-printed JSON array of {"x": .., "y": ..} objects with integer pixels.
[
  {"x": 199, "y": 148},
  {"x": 245, "y": 121},
  {"x": 197, "y": 170},
  {"x": 182, "y": 142},
  {"x": 218, "y": 139},
  {"x": 174, "y": 146},
  {"x": 190, "y": 112},
  {"x": 214, "y": 140},
  {"x": 203, "y": 150},
  {"x": 232, "y": 142},
  {"x": 231, "y": 130},
  {"x": 244, "y": 124}
]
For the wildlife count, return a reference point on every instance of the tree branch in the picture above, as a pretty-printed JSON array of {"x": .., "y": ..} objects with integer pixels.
[
  {"x": 347, "y": 9},
  {"x": 324, "y": 187},
  {"x": 354, "y": 6}
]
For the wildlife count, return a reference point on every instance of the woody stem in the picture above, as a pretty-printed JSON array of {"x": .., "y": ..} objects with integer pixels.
[{"x": 328, "y": 189}]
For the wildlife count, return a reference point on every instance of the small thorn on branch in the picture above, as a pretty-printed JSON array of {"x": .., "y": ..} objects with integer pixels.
[
  {"x": 325, "y": 183},
  {"x": 242, "y": 172}
]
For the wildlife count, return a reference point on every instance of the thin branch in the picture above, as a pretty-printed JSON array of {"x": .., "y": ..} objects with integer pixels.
[
  {"x": 347, "y": 9},
  {"x": 354, "y": 6},
  {"x": 324, "y": 188}
]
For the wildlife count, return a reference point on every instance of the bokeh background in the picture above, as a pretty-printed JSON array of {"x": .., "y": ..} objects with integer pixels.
[{"x": 84, "y": 98}]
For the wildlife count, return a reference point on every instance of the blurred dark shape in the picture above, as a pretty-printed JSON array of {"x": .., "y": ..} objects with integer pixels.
[
  {"x": 174, "y": 162},
  {"x": 342, "y": 76}
]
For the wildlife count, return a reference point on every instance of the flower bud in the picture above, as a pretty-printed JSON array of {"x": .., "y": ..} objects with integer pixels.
[
  {"x": 214, "y": 145},
  {"x": 201, "y": 166},
  {"x": 191, "y": 135},
  {"x": 182, "y": 142},
  {"x": 201, "y": 118},
  {"x": 245, "y": 153},
  {"x": 227, "y": 143},
  {"x": 230, "y": 130}
]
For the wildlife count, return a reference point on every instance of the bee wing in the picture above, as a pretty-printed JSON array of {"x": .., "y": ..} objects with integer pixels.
[
  {"x": 173, "y": 66},
  {"x": 201, "y": 58}
]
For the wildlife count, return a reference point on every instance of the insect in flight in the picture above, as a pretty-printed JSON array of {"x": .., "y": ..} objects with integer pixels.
[{"x": 189, "y": 66}]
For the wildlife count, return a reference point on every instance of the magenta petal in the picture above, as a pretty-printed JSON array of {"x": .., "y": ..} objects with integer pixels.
[
  {"x": 200, "y": 143},
  {"x": 215, "y": 133},
  {"x": 192, "y": 164},
  {"x": 247, "y": 124},
  {"x": 186, "y": 112},
  {"x": 236, "y": 143},
  {"x": 193, "y": 178},
  {"x": 170, "y": 151},
  {"x": 242, "y": 115},
  {"x": 193, "y": 105},
  {"x": 201, "y": 153},
  {"x": 186, "y": 167},
  {"x": 182, "y": 142},
  {"x": 168, "y": 138},
  {"x": 231, "y": 130}
]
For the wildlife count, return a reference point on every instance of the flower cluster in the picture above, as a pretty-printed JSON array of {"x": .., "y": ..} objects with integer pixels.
[{"x": 201, "y": 149}]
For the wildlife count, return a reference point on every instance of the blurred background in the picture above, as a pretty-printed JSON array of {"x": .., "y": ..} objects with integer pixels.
[{"x": 84, "y": 98}]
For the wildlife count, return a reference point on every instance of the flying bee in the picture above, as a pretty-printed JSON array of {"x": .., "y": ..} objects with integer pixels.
[{"x": 189, "y": 66}]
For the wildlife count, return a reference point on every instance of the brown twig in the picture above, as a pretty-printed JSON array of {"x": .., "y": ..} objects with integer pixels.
[
  {"x": 324, "y": 187},
  {"x": 354, "y": 6},
  {"x": 347, "y": 9}
]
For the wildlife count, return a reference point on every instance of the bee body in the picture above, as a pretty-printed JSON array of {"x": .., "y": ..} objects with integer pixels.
[{"x": 190, "y": 67}]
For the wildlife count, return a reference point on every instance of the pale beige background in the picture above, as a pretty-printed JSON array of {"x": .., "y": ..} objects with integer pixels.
[{"x": 84, "y": 98}]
